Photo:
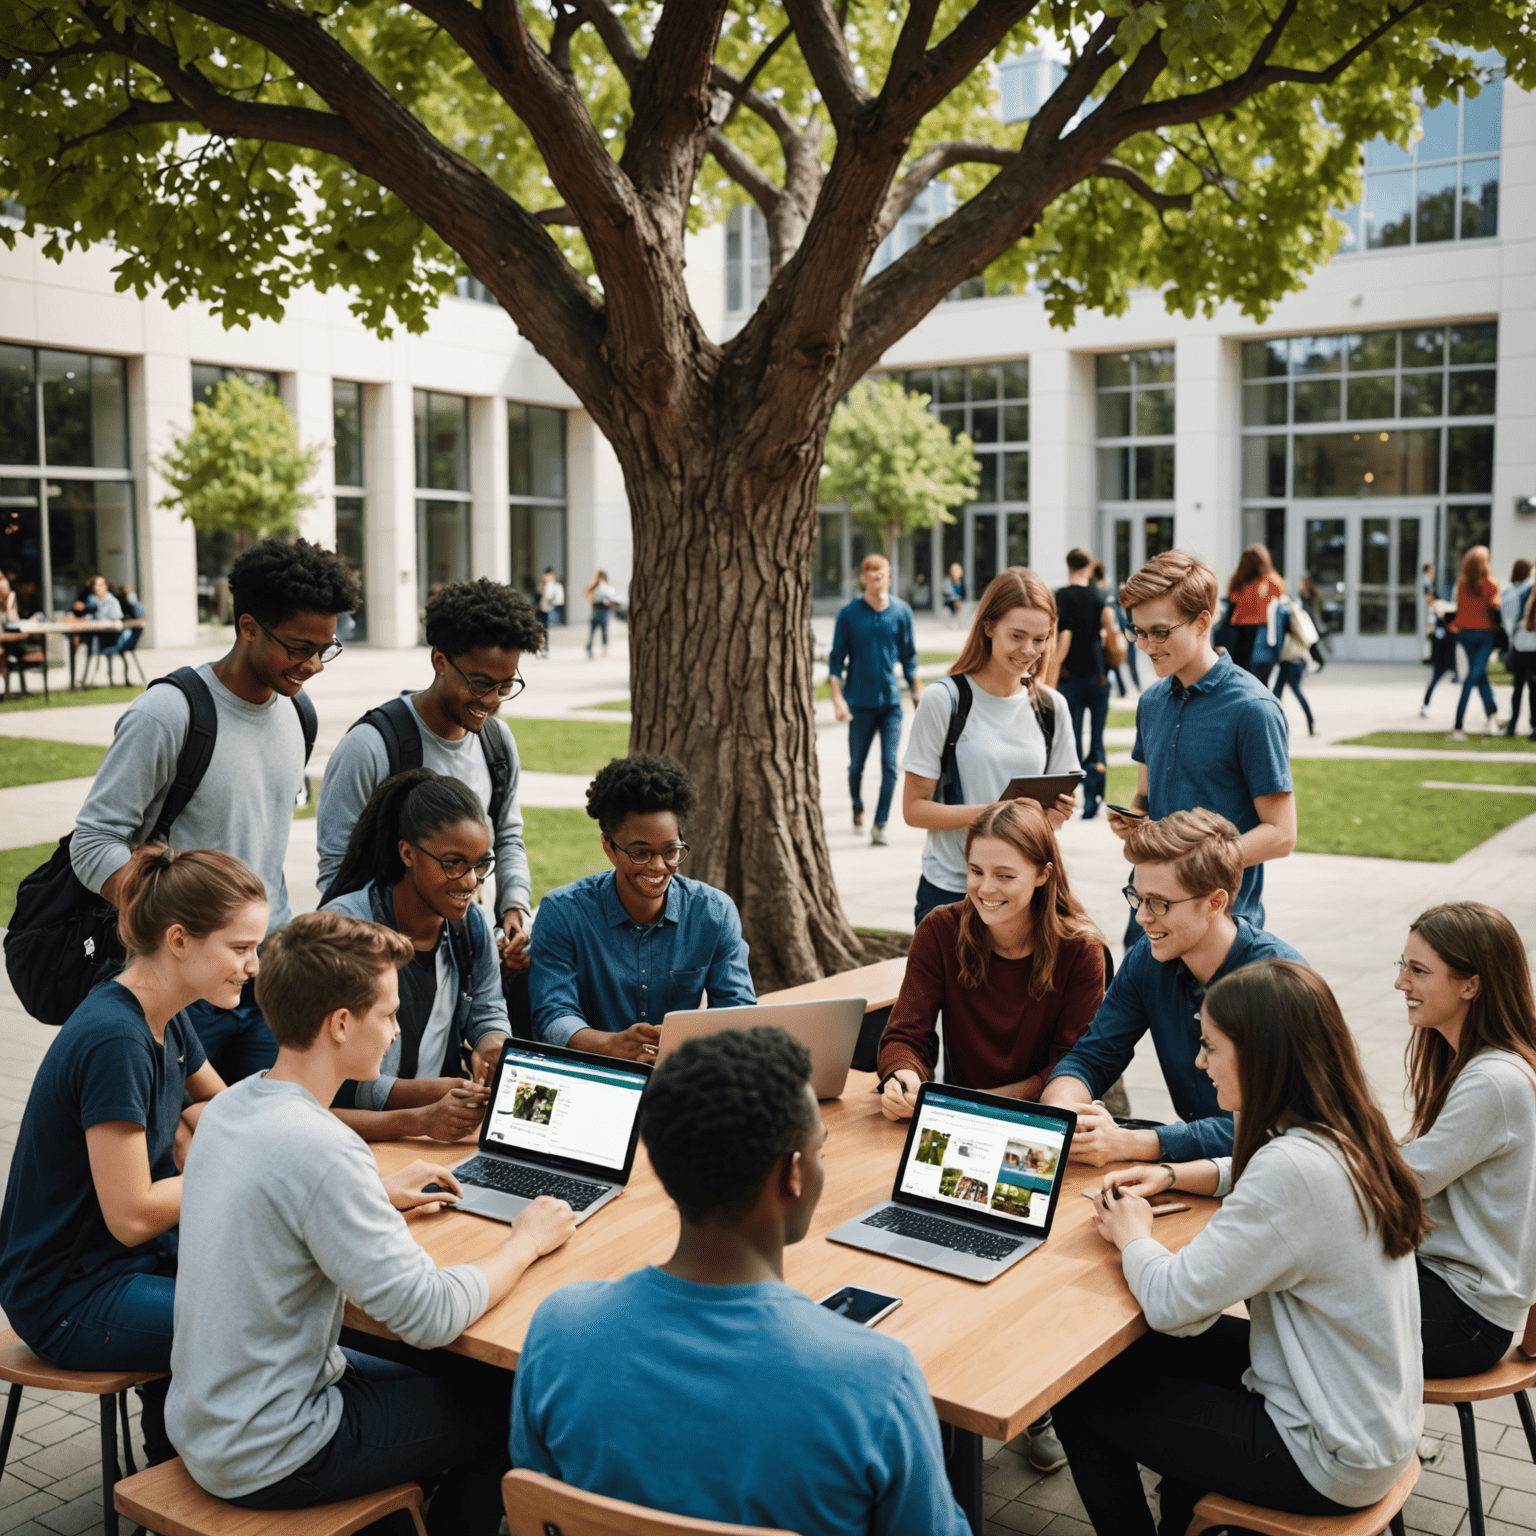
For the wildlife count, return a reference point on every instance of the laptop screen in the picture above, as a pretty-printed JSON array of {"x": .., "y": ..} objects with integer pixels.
[
  {"x": 568, "y": 1109},
  {"x": 977, "y": 1157}
]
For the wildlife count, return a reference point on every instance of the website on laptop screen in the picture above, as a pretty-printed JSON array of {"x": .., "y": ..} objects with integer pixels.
[
  {"x": 564, "y": 1108},
  {"x": 970, "y": 1155}
]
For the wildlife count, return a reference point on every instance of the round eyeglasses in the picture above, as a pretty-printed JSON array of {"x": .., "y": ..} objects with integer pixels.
[
  {"x": 672, "y": 855},
  {"x": 456, "y": 866},
  {"x": 1156, "y": 905}
]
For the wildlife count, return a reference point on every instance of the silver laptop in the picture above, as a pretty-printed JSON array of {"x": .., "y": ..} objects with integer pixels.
[
  {"x": 561, "y": 1123},
  {"x": 977, "y": 1186},
  {"x": 827, "y": 1027}
]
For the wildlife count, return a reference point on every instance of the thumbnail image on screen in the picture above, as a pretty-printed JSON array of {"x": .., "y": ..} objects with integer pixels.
[{"x": 567, "y": 1109}]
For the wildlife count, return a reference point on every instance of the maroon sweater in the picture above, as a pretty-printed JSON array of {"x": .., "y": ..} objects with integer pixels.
[{"x": 996, "y": 1033}]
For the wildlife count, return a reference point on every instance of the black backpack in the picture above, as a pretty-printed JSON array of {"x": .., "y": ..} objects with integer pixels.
[
  {"x": 948, "y": 791},
  {"x": 400, "y": 727},
  {"x": 63, "y": 938}
]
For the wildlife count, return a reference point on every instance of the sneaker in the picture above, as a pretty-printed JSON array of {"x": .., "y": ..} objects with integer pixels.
[
  {"x": 1456, "y": 736},
  {"x": 858, "y": 820},
  {"x": 877, "y": 837},
  {"x": 1045, "y": 1452},
  {"x": 1423, "y": 711},
  {"x": 1431, "y": 1452},
  {"x": 1494, "y": 726}
]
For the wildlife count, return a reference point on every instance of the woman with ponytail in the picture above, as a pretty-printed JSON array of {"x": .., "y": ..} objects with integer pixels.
[
  {"x": 417, "y": 855},
  {"x": 86, "y": 1253}
]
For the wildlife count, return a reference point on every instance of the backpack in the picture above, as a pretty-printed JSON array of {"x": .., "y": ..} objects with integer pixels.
[
  {"x": 63, "y": 938},
  {"x": 948, "y": 791},
  {"x": 400, "y": 727}
]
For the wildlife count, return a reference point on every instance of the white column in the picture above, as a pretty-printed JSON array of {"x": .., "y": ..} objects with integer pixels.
[
  {"x": 490, "y": 531},
  {"x": 1060, "y": 459},
  {"x": 160, "y": 410},
  {"x": 1514, "y": 438},
  {"x": 308, "y": 399},
  {"x": 598, "y": 530},
  {"x": 389, "y": 457},
  {"x": 1206, "y": 521}
]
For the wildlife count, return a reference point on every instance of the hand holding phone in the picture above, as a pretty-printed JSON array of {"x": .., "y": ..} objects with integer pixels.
[{"x": 1126, "y": 811}]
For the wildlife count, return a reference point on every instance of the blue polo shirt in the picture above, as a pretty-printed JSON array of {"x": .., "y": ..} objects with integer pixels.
[
  {"x": 1221, "y": 743},
  {"x": 1165, "y": 998},
  {"x": 595, "y": 967},
  {"x": 871, "y": 643}
]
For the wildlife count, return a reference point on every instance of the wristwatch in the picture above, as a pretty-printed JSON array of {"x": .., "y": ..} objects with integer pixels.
[{"x": 1173, "y": 1178}]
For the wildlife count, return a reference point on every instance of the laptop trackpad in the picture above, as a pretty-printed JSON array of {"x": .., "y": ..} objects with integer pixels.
[{"x": 493, "y": 1203}]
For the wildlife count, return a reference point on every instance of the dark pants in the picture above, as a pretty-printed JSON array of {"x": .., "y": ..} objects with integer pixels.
[
  {"x": 1522, "y": 669},
  {"x": 1243, "y": 637},
  {"x": 930, "y": 896},
  {"x": 236, "y": 1040},
  {"x": 123, "y": 1325},
  {"x": 1290, "y": 675},
  {"x": 1179, "y": 1407},
  {"x": 1457, "y": 1340},
  {"x": 1088, "y": 696},
  {"x": 599, "y": 621},
  {"x": 865, "y": 726},
  {"x": 1477, "y": 647},
  {"x": 1442, "y": 659},
  {"x": 399, "y": 1425},
  {"x": 514, "y": 988}
]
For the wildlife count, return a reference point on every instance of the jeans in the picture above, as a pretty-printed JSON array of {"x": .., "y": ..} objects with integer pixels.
[
  {"x": 930, "y": 896},
  {"x": 398, "y": 1425},
  {"x": 124, "y": 1325},
  {"x": 236, "y": 1040},
  {"x": 1179, "y": 1407},
  {"x": 1457, "y": 1340},
  {"x": 1291, "y": 673},
  {"x": 1090, "y": 696},
  {"x": 866, "y": 724},
  {"x": 1477, "y": 645},
  {"x": 599, "y": 621},
  {"x": 1522, "y": 668}
]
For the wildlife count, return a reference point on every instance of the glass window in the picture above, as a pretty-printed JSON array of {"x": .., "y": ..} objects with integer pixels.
[
  {"x": 1264, "y": 466},
  {"x": 206, "y": 377},
  {"x": 1266, "y": 359},
  {"x": 18, "y": 406},
  {"x": 1471, "y": 393},
  {"x": 1371, "y": 398},
  {"x": 1464, "y": 527},
  {"x": 1438, "y": 128},
  {"x": 1367, "y": 463},
  {"x": 442, "y": 442},
  {"x": 109, "y": 413},
  {"x": 1114, "y": 413},
  {"x": 66, "y": 380},
  {"x": 1423, "y": 394},
  {"x": 1469, "y": 459},
  {"x": 1424, "y": 347},
  {"x": 1371, "y": 349},
  {"x": 1112, "y": 369},
  {"x": 347, "y": 416},
  {"x": 442, "y": 545},
  {"x": 1018, "y": 538},
  {"x": 984, "y": 424},
  {"x": 1477, "y": 343},
  {"x": 1015, "y": 423},
  {"x": 1482, "y": 117},
  {"x": 1389, "y": 209},
  {"x": 1135, "y": 400},
  {"x": 986, "y": 381},
  {"x": 1016, "y": 379},
  {"x": 1316, "y": 354},
  {"x": 1479, "y": 199},
  {"x": 1154, "y": 413},
  {"x": 986, "y": 487},
  {"x": 1317, "y": 400},
  {"x": 1264, "y": 405},
  {"x": 546, "y": 444},
  {"x": 538, "y": 542},
  {"x": 1114, "y": 477},
  {"x": 951, "y": 386},
  {"x": 1435, "y": 215},
  {"x": 1015, "y": 477},
  {"x": 1158, "y": 534},
  {"x": 349, "y": 545},
  {"x": 1154, "y": 472},
  {"x": 983, "y": 549}
]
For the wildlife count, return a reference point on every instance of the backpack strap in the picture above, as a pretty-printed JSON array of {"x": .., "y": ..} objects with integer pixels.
[
  {"x": 196, "y": 751},
  {"x": 308, "y": 721},
  {"x": 948, "y": 792},
  {"x": 498, "y": 758},
  {"x": 1045, "y": 718},
  {"x": 395, "y": 721}
]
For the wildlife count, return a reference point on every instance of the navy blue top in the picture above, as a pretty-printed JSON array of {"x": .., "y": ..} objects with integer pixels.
[
  {"x": 595, "y": 967},
  {"x": 104, "y": 1064},
  {"x": 872, "y": 643},
  {"x": 1165, "y": 998},
  {"x": 1221, "y": 743},
  {"x": 777, "y": 1412}
]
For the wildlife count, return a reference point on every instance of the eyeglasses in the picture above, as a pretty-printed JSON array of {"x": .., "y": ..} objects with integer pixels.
[
  {"x": 484, "y": 687},
  {"x": 322, "y": 653},
  {"x": 1156, "y": 905},
  {"x": 671, "y": 856},
  {"x": 455, "y": 866},
  {"x": 1159, "y": 633}
]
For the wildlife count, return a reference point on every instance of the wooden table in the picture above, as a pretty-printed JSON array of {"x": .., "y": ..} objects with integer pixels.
[
  {"x": 880, "y": 983},
  {"x": 72, "y": 627},
  {"x": 995, "y": 1356}
]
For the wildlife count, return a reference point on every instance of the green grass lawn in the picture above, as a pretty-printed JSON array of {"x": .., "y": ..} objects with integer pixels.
[
  {"x": 63, "y": 699},
  {"x": 1434, "y": 741},
  {"x": 622, "y": 704},
  {"x": 568, "y": 746},
  {"x": 1121, "y": 719},
  {"x": 936, "y": 658},
  {"x": 1378, "y": 809},
  {"x": 563, "y": 845},
  {"x": 15, "y": 865},
  {"x": 24, "y": 760}
]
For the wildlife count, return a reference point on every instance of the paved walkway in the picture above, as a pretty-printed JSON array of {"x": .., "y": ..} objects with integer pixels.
[{"x": 1347, "y": 915}]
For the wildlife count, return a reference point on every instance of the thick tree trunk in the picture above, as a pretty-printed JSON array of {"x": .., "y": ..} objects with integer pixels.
[{"x": 720, "y": 678}]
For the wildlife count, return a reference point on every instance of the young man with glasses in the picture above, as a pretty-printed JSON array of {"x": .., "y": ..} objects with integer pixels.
[
  {"x": 478, "y": 632},
  {"x": 614, "y": 953},
  {"x": 1188, "y": 869},
  {"x": 286, "y": 599}
]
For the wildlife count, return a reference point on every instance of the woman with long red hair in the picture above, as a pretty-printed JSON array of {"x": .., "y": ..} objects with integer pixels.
[{"x": 1477, "y": 619}]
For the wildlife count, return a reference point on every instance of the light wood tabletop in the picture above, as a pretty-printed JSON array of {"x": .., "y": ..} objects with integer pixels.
[
  {"x": 995, "y": 1356},
  {"x": 879, "y": 985}
]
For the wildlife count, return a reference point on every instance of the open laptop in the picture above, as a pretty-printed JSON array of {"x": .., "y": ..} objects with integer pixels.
[
  {"x": 560, "y": 1123},
  {"x": 827, "y": 1027},
  {"x": 977, "y": 1186}
]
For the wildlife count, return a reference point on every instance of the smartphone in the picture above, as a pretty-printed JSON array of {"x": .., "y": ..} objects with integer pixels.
[
  {"x": 1125, "y": 810},
  {"x": 861, "y": 1306}
]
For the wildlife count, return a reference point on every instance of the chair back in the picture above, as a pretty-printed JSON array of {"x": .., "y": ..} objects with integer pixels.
[{"x": 543, "y": 1506}]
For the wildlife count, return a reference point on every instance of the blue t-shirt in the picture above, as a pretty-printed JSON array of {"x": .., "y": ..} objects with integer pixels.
[
  {"x": 1221, "y": 743},
  {"x": 873, "y": 642},
  {"x": 776, "y": 1412},
  {"x": 104, "y": 1064}
]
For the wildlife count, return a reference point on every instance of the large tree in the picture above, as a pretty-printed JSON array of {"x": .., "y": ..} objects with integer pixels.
[{"x": 231, "y": 149}]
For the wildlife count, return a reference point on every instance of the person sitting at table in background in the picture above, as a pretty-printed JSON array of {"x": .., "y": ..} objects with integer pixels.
[
  {"x": 87, "y": 1233},
  {"x": 1208, "y": 734},
  {"x": 1314, "y": 1404},
  {"x": 283, "y": 1214},
  {"x": 1187, "y": 871},
  {"x": 1471, "y": 1065},
  {"x": 739, "y": 1366},
  {"x": 1013, "y": 727},
  {"x": 614, "y": 953},
  {"x": 10, "y": 609},
  {"x": 418, "y": 853}
]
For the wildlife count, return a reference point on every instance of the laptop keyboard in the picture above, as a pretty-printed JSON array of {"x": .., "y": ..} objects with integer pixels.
[
  {"x": 947, "y": 1234},
  {"x": 519, "y": 1179}
]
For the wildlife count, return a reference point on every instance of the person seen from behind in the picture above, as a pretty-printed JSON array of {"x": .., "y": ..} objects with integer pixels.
[
  {"x": 1514, "y": 608},
  {"x": 1475, "y": 624},
  {"x": 1255, "y": 584}
]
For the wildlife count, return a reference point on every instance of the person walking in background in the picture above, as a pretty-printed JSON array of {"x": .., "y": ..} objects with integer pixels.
[
  {"x": 1116, "y": 676},
  {"x": 872, "y": 637},
  {"x": 1477, "y": 618},
  {"x": 1083, "y": 614},
  {"x": 1521, "y": 656},
  {"x": 953, "y": 594},
  {"x": 1254, "y": 586},
  {"x": 551, "y": 603},
  {"x": 1294, "y": 653},
  {"x": 602, "y": 596}
]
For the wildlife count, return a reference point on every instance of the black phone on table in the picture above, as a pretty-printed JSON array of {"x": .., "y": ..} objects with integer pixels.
[{"x": 859, "y": 1305}]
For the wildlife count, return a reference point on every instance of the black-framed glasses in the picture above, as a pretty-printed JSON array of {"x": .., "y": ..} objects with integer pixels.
[
  {"x": 672, "y": 855},
  {"x": 1156, "y": 905},
  {"x": 455, "y": 866},
  {"x": 1159, "y": 632},
  {"x": 484, "y": 687},
  {"x": 322, "y": 653}
]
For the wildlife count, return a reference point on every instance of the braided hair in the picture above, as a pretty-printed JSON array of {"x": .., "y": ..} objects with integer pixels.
[{"x": 407, "y": 808}]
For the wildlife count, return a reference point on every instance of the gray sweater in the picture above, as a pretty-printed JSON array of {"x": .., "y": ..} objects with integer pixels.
[
  {"x": 243, "y": 806},
  {"x": 1476, "y": 1168},
  {"x": 282, "y": 1215},
  {"x": 360, "y": 764},
  {"x": 1334, "y": 1344}
]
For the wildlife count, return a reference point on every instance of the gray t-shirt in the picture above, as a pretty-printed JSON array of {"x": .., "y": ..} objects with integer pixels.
[
  {"x": 243, "y": 806},
  {"x": 360, "y": 764},
  {"x": 1001, "y": 741}
]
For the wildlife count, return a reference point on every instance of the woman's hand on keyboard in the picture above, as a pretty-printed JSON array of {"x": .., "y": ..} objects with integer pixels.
[{"x": 406, "y": 1192}]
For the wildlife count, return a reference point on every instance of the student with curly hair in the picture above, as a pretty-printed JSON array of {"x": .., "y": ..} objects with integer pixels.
[
  {"x": 779, "y": 1413},
  {"x": 614, "y": 953},
  {"x": 286, "y": 599}
]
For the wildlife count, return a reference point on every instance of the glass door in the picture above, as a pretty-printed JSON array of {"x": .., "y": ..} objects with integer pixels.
[{"x": 1130, "y": 539}]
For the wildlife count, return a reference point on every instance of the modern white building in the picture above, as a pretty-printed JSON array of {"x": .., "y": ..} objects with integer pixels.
[{"x": 1382, "y": 418}]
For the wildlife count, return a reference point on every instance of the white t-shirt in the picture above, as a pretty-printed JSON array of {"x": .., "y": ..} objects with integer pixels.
[{"x": 1001, "y": 741}]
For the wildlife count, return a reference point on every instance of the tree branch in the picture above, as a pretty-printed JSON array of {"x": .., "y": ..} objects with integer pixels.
[
  {"x": 931, "y": 163},
  {"x": 560, "y": 215},
  {"x": 821, "y": 40},
  {"x": 137, "y": 114},
  {"x": 745, "y": 173},
  {"x": 1162, "y": 201},
  {"x": 908, "y": 97},
  {"x": 765, "y": 107},
  {"x": 615, "y": 35},
  {"x": 751, "y": 75},
  {"x": 911, "y": 50},
  {"x": 670, "y": 103}
]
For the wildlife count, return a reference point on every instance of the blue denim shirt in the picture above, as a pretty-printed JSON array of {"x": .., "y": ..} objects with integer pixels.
[
  {"x": 871, "y": 643},
  {"x": 595, "y": 967},
  {"x": 1221, "y": 743},
  {"x": 1165, "y": 998}
]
